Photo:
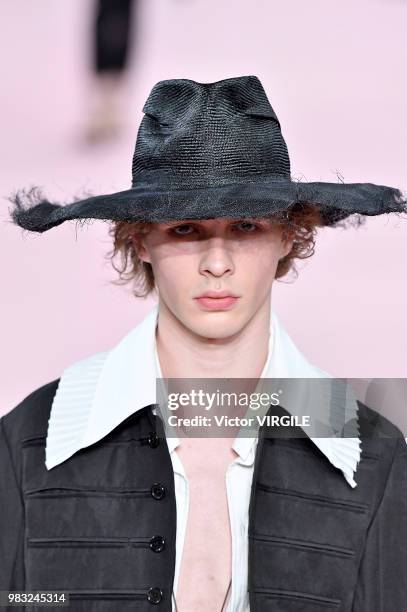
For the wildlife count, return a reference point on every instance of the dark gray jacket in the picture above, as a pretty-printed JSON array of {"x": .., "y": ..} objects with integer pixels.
[{"x": 102, "y": 524}]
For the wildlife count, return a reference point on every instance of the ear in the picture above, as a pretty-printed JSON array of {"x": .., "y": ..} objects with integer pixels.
[
  {"x": 140, "y": 248},
  {"x": 286, "y": 247}
]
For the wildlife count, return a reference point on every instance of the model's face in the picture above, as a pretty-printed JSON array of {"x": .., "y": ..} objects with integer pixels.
[{"x": 190, "y": 258}]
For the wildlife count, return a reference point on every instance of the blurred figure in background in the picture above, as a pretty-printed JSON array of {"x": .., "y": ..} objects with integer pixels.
[{"x": 112, "y": 40}]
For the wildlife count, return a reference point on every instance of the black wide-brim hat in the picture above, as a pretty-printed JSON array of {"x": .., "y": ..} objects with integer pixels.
[{"x": 211, "y": 150}]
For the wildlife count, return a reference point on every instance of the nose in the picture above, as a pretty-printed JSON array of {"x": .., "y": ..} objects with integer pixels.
[{"x": 216, "y": 258}]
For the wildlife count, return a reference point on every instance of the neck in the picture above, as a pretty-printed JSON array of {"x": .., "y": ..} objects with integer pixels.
[{"x": 185, "y": 354}]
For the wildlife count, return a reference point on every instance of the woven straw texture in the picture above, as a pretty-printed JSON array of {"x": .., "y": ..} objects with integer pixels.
[{"x": 210, "y": 150}]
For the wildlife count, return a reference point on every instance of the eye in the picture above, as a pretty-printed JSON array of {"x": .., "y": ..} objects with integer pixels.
[
  {"x": 248, "y": 224},
  {"x": 187, "y": 229},
  {"x": 173, "y": 230}
]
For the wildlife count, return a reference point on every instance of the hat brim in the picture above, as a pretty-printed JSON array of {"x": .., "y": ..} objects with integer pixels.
[{"x": 336, "y": 201}]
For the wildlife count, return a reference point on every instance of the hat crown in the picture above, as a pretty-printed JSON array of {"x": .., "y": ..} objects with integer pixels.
[{"x": 199, "y": 134}]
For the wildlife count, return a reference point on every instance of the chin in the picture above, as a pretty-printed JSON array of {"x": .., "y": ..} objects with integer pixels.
[{"x": 216, "y": 325}]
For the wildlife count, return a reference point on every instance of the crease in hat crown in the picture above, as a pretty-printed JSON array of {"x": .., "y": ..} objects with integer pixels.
[{"x": 205, "y": 151}]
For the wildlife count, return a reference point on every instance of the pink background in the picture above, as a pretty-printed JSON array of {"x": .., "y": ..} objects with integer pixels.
[{"x": 335, "y": 74}]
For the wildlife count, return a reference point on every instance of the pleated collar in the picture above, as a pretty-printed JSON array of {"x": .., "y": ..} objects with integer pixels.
[{"x": 96, "y": 394}]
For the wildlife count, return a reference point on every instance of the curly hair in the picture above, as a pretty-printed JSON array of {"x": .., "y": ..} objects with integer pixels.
[{"x": 299, "y": 223}]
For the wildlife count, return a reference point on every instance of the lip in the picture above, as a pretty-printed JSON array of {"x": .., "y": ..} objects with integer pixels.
[
  {"x": 219, "y": 303},
  {"x": 217, "y": 294}
]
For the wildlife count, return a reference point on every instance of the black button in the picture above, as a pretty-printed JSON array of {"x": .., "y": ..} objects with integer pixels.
[
  {"x": 157, "y": 543},
  {"x": 153, "y": 439},
  {"x": 154, "y": 595},
  {"x": 157, "y": 490}
]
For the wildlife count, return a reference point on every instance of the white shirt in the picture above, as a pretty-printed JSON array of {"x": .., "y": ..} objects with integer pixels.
[{"x": 125, "y": 377}]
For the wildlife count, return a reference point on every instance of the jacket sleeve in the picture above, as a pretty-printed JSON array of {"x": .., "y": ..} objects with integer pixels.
[
  {"x": 11, "y": 520},
  {"x": 382, "y": 579}
]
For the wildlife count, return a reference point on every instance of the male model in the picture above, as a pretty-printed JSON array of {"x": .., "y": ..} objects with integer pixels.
[{"x": 98, "y": 501}]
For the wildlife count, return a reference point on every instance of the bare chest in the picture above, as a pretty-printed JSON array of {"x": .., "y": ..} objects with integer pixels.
[{"x": 205, "y": 569}]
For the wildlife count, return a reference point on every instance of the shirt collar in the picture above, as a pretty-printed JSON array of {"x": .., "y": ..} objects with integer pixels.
[{"x": 96, "y": 394}]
